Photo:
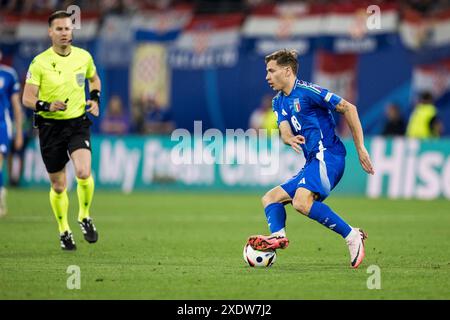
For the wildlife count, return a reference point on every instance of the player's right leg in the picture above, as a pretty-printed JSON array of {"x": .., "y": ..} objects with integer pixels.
[
  {"x": 59, "y": 202},
  {"x": 273, "y": 202}
]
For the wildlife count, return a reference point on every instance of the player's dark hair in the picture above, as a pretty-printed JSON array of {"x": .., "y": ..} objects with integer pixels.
[
  {"x": 285, "y": 58},
  {"x": 58, "y": 15}
]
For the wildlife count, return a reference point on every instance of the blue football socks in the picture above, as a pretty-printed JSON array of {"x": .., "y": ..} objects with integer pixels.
[
  {"x": 324, "y": 215},
  {"x": 276, "y": 216}
]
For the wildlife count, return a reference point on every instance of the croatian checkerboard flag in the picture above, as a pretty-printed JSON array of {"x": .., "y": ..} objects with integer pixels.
[
  {"x": 337, "y": 73},
  {"x": 342, "y": 28},
  {"x": 433, "y": 77},
  {"x": 418, "y": 32},
  {"x": 35, "y": 27},
  {"x": 208, "y": 41},
  {"x": 161, "y": 25}
]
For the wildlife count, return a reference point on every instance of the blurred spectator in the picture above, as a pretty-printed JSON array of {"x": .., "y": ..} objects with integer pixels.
[
  {"x": 16, "y": 156},
  {"x": 426, "y": 7},
  {"x": 424, "y": 122},
  {"x": 112, "y": 7},
  {"x": 154, "y": 119},
  {"x": 103, "y": 7},
  {"x": 263, "y": 117},
  {"x": 395, "y": 125},
  {"x": 115, "y": 120}
]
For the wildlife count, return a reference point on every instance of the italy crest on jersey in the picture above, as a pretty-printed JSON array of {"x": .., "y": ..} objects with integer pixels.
[{"x": 297, "y": 105}]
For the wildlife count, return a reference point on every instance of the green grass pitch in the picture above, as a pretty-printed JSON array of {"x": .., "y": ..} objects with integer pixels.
[{"x": 161, "y": 245}]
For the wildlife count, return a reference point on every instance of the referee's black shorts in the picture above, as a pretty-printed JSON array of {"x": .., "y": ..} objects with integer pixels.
[{"x": 59, "y": 138}]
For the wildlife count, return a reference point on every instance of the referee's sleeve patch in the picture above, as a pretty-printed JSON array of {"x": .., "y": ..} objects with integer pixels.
[{"x": 328, "y": 97}]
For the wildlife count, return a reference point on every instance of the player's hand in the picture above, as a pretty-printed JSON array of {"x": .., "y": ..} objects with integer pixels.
[
  {"x": 364, "y": 159},
  {"x": 57, "y": 106},
  {"x": 93, "y": 107},
  {"x": 295, "y": 142},
  {"x": 18, "y": 142}
]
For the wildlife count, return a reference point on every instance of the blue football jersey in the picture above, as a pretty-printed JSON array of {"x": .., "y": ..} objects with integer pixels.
[
  {"x": 308, "y": 109},
  {"x": 9, "y": 84}
]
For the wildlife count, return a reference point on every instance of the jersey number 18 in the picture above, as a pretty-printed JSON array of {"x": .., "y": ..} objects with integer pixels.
[{"x": 296, "y": 124}]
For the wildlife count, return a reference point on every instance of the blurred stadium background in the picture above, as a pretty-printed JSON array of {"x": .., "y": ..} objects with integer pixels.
[{"x": 165, "y": 64}]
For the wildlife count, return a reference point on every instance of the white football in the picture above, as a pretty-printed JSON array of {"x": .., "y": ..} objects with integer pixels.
[{"x": 256, "y": 258}]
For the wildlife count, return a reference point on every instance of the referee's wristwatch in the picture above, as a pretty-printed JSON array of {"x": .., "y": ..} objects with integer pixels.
[
  {"x": 42, "y": 105},
  {"x": 95, "y": 95}
]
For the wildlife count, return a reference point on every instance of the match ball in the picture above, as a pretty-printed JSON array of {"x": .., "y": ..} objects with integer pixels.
[{"x": 259, "y": 259}]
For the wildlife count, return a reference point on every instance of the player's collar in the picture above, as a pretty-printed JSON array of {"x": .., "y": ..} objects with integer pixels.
[{"x": 292, "y": 89}]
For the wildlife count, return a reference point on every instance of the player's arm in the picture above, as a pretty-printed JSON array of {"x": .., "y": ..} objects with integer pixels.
[
  {"x": 30, "y": 99},
  {"x": 95, "y": 87},
  {"x": 18, "y": 119},
  {"x": 289, "y": 138},
  {"x": 351, "y": 116}
]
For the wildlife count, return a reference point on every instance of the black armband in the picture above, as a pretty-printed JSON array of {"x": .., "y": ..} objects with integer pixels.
[
  {"x": 95, "y": 95},
  {"x": 42, "y": 105}
]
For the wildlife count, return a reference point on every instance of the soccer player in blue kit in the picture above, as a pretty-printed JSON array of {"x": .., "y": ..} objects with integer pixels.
[
  {"x": 9, "y": 99},
  {"x": 306, "y": 123}
]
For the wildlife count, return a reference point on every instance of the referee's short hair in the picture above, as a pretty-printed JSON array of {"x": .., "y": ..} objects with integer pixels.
[{"x": 58, "y": 15}]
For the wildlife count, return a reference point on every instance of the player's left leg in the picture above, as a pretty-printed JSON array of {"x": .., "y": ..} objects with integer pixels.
[
  {"x": 304, "y": 203},
  {"x": 85, "y": 190},
  {"x": 320, "y": 177}
]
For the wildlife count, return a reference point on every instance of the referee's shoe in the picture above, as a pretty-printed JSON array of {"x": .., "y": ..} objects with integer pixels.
[
  {"x": 88, "y": 229},
  {"x": 67, "y": 242}
]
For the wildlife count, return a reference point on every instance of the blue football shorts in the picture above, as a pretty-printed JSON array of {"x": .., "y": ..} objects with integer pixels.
[{"x": 319, "y": 175}]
